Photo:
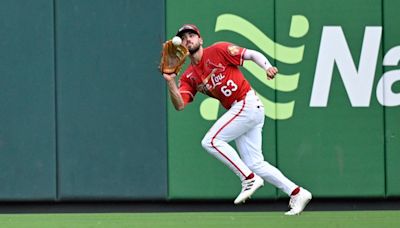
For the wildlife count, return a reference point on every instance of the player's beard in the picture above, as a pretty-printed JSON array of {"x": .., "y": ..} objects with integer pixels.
[{"x": 194, "y": 48}]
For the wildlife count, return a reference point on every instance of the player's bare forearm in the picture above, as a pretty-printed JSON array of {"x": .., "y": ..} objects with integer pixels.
[
  {"x": 176, "y": 97},
  {"x": 174, "y": 93}
]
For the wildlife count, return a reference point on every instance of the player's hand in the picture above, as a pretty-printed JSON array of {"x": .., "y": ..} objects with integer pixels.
[
  {"x": 271, "y": 72},
  {"x": 169, "y": 77}
]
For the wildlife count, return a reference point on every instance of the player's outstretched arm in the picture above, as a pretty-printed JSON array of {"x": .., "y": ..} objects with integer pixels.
[
  {"x": 174, "y": 93},
  {"x": 262, "y": 61}
]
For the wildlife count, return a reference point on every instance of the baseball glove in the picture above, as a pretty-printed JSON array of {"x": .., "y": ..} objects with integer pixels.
[{"x": 172, "y": 57}]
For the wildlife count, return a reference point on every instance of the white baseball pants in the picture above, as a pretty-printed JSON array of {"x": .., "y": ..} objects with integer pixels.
[{"x": 243, "y": 123}]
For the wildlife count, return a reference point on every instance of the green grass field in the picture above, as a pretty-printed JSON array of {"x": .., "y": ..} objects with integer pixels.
[{"x": 206, "y": 219}]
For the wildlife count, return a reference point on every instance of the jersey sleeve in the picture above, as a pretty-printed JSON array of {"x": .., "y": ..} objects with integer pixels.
[
  {"x": 187, "y": 88},
  {"x": 232, "y": 53}
]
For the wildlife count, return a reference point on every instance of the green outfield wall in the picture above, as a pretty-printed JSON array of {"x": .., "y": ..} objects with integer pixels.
[
  {"x": 391, "y": 42},
  {"x": 82, "y": 111},
  {"x": 27, "y": 109},
  {"x": 85, "y": 114},
  {"x": 110, "y": 106},
  {"x": 332, "y": 117}
]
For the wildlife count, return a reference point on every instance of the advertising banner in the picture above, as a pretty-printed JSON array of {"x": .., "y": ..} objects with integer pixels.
[{"x": 327, "y": 112}]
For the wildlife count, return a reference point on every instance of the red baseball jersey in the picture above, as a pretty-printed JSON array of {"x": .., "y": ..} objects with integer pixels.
[{"x": 216, "y": 75}]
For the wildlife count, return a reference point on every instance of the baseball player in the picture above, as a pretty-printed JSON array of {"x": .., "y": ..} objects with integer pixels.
[{"x": 214, "y": 71}]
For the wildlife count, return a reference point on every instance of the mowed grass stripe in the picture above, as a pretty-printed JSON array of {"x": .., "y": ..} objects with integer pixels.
[{"x": 206, "y": 219}]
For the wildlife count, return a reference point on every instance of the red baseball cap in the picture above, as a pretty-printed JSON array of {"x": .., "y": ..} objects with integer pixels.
[{"x": 186, "y": 28}]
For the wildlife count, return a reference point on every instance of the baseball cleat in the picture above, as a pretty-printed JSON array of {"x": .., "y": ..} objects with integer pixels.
[
  {"x": 248, "y": 188},
  {"x": 298, "y": 202}
]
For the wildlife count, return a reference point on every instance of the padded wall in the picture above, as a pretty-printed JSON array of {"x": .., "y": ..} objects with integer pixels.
[
  {"x": 111, "y": 100},
  {"x": 27, "y": 112}
]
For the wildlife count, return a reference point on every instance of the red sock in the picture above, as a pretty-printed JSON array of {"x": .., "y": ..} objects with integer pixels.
[
  {"x": 297, "y": 190},
  {"x": 250, "y": 176}
]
